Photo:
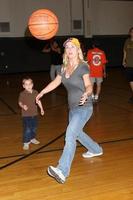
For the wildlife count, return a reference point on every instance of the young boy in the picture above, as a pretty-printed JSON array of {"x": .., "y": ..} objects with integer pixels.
[
  {"x": 97, "y": 60},
  {"x": 27, "y": 102}
]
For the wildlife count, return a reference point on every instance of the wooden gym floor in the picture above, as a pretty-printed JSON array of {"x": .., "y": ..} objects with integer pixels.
[{"x": 23, "y": 174}]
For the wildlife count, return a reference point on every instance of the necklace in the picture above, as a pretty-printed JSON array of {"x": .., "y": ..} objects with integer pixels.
[{"x": 69, "y": 71}]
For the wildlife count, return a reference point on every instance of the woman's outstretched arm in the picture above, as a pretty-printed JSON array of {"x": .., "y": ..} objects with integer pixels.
[{"x": 51, "y": 86}]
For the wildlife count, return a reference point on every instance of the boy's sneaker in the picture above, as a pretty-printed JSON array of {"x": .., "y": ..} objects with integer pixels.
[
  {"x": 57, "y": 174},
  {"x": 35, "y": 141},
  {"x": 96, "y": 97},
  {"x": 26, "y": 146},
  {"x": 88, "y": 154},
  {"x": 93, "y": 98}
]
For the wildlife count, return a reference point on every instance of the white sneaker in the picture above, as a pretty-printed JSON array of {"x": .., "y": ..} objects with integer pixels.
[
  {"x": 96, "y": 97},
  {"x": 88, "y": 154},
  {"x": 26, "y": 146},
  {"x": 92, "y": 96},
  {"x": 35, "y": 141},
  {"x": 57, "y": 174}
]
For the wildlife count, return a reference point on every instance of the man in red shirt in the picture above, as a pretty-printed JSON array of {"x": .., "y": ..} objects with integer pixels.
[{"x": 97, "y": 60}]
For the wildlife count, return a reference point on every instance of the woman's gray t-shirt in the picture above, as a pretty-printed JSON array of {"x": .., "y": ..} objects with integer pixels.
[{"x": 75, "y": 85}]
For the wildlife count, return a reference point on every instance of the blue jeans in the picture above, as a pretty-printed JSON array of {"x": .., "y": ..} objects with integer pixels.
[
  {"x": 77, "y": 120},
  {"x": 29, "y": 128}
]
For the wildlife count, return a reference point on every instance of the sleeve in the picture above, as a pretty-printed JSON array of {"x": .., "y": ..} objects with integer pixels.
[
  {"x": 36, "y": 93},
  {"x": 20, "y": 99},
  {"x": 84, "y": 69},
  {"x": 104, "y": 59},
  {"x": 89, "y": 56},
  {"x": 59, "y": 70}
]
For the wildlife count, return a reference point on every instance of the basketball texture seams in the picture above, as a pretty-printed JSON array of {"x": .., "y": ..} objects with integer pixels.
[{"x": 43, "y": 24}]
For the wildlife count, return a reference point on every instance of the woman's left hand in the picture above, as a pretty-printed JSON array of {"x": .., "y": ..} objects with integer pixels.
[
  {"x": 38, "y": 97},
  {"x": 83, "y": 99},
  {"x": 42, "y": 112}
]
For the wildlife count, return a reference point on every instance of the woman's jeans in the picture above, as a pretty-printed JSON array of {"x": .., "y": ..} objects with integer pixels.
[
  {"x": 77, "y": 120},
  {"x": 29, "y": 128}
]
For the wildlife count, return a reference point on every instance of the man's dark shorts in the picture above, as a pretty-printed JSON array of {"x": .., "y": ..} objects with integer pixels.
[{"x": 129, "y": 73}]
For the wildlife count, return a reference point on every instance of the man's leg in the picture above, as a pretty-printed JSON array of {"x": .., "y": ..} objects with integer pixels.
[
  {"x": 98, "y": 88},
  {"x": 52, "y": 72},
  {"x": 131, "y": 86},
  {"x": 93, "y": 83}
]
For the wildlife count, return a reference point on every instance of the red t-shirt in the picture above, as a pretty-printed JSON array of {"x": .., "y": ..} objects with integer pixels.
[{"x": 96, "y": 60}]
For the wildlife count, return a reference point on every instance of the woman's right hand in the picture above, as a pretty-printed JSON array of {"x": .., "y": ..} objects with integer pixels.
[
  {"x": 83, "y": 99},
  {"x": 38, "y": 97}
]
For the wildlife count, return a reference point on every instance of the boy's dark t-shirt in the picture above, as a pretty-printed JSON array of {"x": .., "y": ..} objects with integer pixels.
[{"x": 29, "y": 99}]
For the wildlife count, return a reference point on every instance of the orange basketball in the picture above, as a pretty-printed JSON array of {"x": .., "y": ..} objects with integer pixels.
[{"x": 43, "y": 24}]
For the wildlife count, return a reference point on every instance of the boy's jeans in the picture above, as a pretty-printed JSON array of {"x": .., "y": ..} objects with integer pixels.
[
  {"x": 77, "y": 120},
  {"x": 29, "y": 128}
]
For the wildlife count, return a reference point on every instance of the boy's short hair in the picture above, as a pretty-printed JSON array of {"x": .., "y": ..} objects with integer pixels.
[{"x": 26, "y": 79}]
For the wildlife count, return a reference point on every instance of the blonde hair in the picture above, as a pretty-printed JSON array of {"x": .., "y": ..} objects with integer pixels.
[{"x": 80, "y": 57}]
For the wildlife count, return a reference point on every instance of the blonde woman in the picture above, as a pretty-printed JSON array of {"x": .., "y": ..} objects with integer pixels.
[{"x": 74, "y": 74}]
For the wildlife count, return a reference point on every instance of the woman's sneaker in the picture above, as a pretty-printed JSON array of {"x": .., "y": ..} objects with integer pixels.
[
  {"x": 88, "y": 154},
  {"x": 35, "y": 141},
  {"x": 57, "y": 174}
]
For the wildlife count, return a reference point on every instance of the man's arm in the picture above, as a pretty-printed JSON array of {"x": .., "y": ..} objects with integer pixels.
[
  {"x": 46, "y": 49},
  {"x": 124, "y": 58},
  {"x": 124, "y": 54}
]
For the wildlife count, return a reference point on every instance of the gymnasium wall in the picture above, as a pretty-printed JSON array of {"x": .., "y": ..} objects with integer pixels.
[
  {"x": 25, "y": 54},
  {"x": 17, "y": 12},
  {"x": 76, "y": 17},
  {"x": 108, "y": 20},
  {"x": 114, "y": 17},
  {"x": 108, "y": 17}
]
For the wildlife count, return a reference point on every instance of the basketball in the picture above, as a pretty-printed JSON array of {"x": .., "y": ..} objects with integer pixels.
[{"x": 43, "y": 24}]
